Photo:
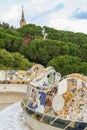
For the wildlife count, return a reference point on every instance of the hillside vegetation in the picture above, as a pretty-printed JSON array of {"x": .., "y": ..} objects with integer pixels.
[{"x": 21, "y": 48}]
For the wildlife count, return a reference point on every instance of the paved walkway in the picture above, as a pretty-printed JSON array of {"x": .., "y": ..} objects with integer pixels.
[{"x": 12, "y": 118}]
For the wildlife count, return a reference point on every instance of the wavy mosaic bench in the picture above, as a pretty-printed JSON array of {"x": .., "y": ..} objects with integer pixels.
[
  {"x": 56, "y": 103},
  {"x": 20, "y": 76}
]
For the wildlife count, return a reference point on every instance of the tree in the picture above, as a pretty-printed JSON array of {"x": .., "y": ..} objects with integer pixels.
[
  {"x": 10, "y": 42},
  {"x": 13, "y": 60},
  {"x": 5, "y": 25},
  {"x": 20, "y": 62},
  {"x": 65, "y": 64},
  {"x": 83, "y": 68},
  {"x": 30, "y": 30}
]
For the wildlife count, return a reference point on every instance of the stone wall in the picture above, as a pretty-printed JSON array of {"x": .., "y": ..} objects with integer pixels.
[{"x": 8, "y": 98}]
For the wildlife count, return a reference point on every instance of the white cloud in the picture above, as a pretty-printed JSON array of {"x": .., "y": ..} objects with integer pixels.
[
  {"x": 36, "y": 12},
  {"x": 69, "y": 25},
  {"x": 38, "y": 1},
  {"x": 38, "y": 6},
  {"x": 11, "y": 14},
  {"x": 61, "y": 20}
]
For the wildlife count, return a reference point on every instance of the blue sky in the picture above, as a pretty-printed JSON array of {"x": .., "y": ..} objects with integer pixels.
[{"x": 68, "y": 15}]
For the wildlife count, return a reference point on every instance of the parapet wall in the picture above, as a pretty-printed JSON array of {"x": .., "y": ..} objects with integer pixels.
[
  {"x": 8, "y": 98},
  {"x": 10, "y": 94}
]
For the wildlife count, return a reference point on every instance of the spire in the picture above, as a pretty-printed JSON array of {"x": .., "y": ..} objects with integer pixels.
[
  {"x": 22, "y": 21},
  {"x": 22, "y": 17}
]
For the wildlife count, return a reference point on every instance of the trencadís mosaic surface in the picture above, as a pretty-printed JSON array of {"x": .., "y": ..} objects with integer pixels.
[
  {"x": 58, "y": 102},
  {"x": 20, "y": 76}
]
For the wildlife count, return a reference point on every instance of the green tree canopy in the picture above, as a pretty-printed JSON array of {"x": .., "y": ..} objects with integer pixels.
[
  {"x": 68, "y": 64},
  {"x": 13, "y": 60}
]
